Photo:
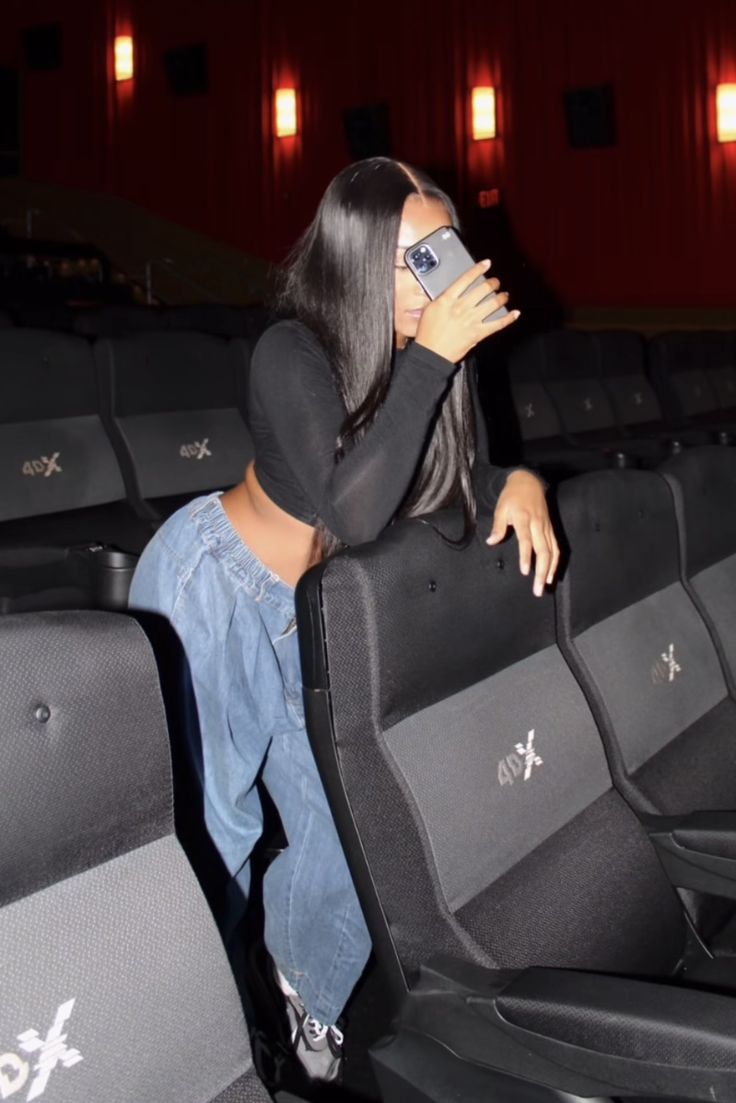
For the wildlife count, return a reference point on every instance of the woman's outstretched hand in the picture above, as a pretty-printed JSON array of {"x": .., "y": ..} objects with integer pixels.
[
  {"x": 522, "y": 504},
  {"x": 453, "y": 323}
]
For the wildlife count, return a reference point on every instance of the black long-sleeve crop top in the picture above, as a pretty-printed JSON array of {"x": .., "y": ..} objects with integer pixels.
[{"x": 296, "y": 414}]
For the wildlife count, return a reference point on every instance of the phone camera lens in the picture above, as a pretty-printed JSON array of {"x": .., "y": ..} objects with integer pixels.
[{"x": 424, "y": 260}]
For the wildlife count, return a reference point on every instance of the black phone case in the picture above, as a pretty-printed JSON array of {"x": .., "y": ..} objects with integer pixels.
[{"x": 454, "y": 259}]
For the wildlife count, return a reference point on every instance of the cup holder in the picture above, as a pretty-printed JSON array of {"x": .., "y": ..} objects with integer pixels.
[{"x": 110, "y": 575}]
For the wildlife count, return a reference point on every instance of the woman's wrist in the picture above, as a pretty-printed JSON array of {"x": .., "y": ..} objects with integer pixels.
[{"x": 518, "y": 474}]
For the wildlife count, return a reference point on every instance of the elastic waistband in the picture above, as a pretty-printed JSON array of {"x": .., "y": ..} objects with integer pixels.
[{"x": 225, "y": 544}]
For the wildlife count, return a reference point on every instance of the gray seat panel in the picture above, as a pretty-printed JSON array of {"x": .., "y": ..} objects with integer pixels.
[
  {"x": 583, "y": 405},
  {"x": 694, "y": 391},
  {"x": 633, "y": 399},
  {"x": 130, "y": 953},
  {"x": 537, "y": 416},
  {"x": 55, "y": 465},
  {"x": 533, "y": 776},
  {"x": 656, "y": 669},
  {"x": 187, "y": 451}
]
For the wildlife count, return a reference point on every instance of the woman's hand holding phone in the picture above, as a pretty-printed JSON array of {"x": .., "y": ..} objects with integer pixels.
[{"x": 452, "y": 324}]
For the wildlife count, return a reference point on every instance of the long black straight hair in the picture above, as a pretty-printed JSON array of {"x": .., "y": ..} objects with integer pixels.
[{"x": 339, "y": 281}]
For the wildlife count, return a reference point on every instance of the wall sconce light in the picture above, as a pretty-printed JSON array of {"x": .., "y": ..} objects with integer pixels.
[
  {"x": 123, "y": 57},
  {"x": 286, "y": 120},
  {"x": 726, "y": 112},
  {"x": 483, "y": 101}
]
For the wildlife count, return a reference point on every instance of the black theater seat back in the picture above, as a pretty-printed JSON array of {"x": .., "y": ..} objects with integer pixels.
[
  {"x": 545, "y": 443},
  {"x": 678, "y": 367},
  {"x": 599, "y": 511},
  {"x": 464, "y": 767},
  {"x": 621, "y": 359},
  {"x": 172, "y": 401},
  {"x": 54, "y": 452},
  {"x": 108, "y": 947},
  {"x": 640, "y": 647},
  {"x": 537, "y": 416},
  {"x": 571, "y": 376},
  {"x": 703, "y": 482},
  {"x": 85, "y": 772}
]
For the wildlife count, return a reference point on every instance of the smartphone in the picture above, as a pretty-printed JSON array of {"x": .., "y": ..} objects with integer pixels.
[{"x": 439, "y": 259}]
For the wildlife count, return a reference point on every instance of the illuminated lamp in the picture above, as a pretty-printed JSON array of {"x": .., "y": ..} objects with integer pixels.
[
  {"x": 483, "y": 102},
  {"x": 286, "y": 121},
  {"x": 123, "y": 57},
  {"x": 726, "y": 112}
]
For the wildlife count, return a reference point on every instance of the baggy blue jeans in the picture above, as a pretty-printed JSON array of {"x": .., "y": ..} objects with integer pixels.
[{"x": 236, "y": 621}]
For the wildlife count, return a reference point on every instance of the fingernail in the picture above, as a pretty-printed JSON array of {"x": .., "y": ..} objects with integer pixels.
[
  {"x": 538, "y": 589},
  {"x": 516, "y": 313},
  {"x": 525, "y": 568}
]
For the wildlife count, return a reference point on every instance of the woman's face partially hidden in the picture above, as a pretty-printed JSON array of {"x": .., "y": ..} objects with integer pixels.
[{"x": 420, "y": 217}]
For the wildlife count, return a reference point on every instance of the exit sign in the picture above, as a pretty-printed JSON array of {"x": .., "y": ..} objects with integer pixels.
[{"x": 489, "y": 198}]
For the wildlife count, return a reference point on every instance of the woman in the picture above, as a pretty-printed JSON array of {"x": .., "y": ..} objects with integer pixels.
[{"x": 361, "y": 411}]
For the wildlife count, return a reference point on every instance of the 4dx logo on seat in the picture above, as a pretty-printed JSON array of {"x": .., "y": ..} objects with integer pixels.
[
  {"x": 520, "y": 762},
  {"x": 48, "y": 1052},
  {"x": 44, "y": 465},
  {"x": 666, "y": 668},
  {"x": 197, "y": 450}
]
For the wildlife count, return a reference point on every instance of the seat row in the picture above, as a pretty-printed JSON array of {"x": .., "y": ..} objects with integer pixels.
[
  {"x": 537, "y": 797},
  {"x": 508, "y": 819},
  {"x": 584, "y": 401},
  {"x": 99, "y": 443}
]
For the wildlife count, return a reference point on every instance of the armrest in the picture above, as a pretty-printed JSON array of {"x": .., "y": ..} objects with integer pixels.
[
  {"x": 698, "y": 851},
  {"x": 585, "y": 1034}
]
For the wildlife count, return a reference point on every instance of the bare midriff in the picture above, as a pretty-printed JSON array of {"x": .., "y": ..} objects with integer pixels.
[{"x": 280, "y": 541}]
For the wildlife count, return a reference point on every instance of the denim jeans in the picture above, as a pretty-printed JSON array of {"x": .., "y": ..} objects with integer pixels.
[{"x": 236, "y": 622}]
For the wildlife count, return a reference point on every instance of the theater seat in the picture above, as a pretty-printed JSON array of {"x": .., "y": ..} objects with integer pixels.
[
  {"x": 171, "y": 407},
  {"x": 65, "y": 523},
  {"x": 621, "y": 359},
  {"x": 703, "y": 483},
  {"x": 574, "y": 380},
  {"x": 115, "y": 983},
  {"x": 545, "y": 443},
  {"x": 653, "y": 677},
  {"x": 570, "y": 372},
  {"x": 517, "y": 906},
  {"x": 638, "y": 644},
  {"x": 49, "y": 409}
]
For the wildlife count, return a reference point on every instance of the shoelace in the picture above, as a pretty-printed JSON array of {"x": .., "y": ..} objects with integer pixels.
[{"x": 317, "y": 1031}]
